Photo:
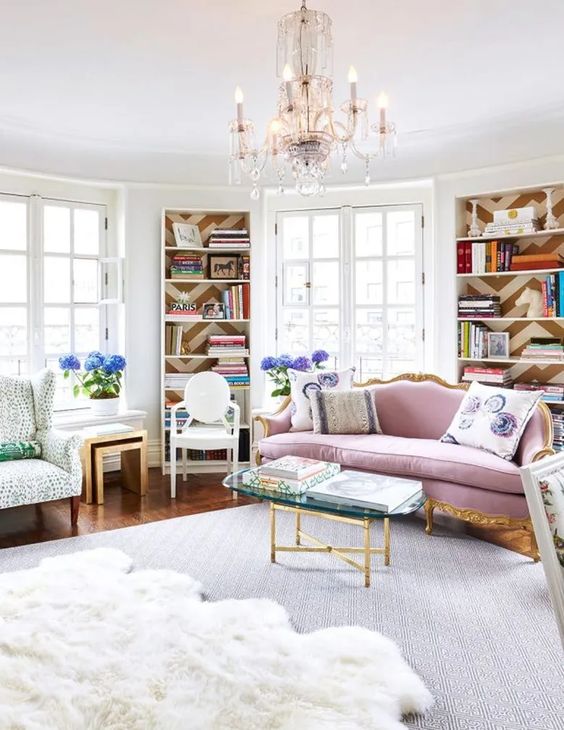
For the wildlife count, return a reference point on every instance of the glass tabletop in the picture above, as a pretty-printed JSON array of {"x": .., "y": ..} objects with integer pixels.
[{"x": 235, "y": 483}]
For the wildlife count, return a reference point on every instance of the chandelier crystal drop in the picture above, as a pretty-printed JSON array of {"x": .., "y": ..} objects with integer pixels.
[{"x": 304, "y": 134}]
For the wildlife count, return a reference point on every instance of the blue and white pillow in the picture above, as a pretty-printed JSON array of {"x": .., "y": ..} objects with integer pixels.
[
  {"x": 303, "y": 384},
  {"x": 492, "y": 419}
]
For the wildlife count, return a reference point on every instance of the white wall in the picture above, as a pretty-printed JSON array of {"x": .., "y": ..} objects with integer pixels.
[{"x": 532, "y": 173}]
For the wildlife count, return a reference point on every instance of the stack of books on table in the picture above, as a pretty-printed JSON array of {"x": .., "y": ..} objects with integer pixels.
[
  {"x": 552, "y": 392},
  {"x": 488, "y": 376},
  {"x": 229, "y": 238},
  {"x": 472, "y": 340},
  {"x": 513, "y": 222},
  {"x": 237, "y": 301},
  {"x": 533, "y": 261},
  {"x": 233, "y": 369},
  {"x": 186, "y": 266},
  {"x": 369, "y": 491},
  {"x": 558, "y": 427},
  {"x": 484, "y": 258},
  {"x": 291, "y": 475},
  {"x": 479, "y": 306},
  {"x": 544, "y": 348},
  {"x": 227, "y": 345}
]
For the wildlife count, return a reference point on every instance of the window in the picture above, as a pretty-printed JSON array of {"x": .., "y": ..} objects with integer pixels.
[
  {"x": 350, "y": 283},
  {"x": 51, "y": 253}
]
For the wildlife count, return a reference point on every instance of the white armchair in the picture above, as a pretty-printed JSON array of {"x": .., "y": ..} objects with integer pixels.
[
  {"x": 26, "y": 410},
  {"x": 543, "y": 482},
  {"x": 207, "y": 399}
]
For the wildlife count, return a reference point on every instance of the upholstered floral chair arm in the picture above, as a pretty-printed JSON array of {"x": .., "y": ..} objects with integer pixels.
[{"x": 63, "y": 450}]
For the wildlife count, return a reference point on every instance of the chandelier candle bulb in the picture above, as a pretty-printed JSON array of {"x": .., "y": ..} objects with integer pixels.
[
  {"x": 239, "y": 102},
  {"x": 353, "y": 78},
  {"x": 287, "y": 75},
  {"x": 382, "y": 106}
]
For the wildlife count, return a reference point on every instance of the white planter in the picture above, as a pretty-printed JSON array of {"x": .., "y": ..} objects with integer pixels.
[{"x": 104, "y": 406}]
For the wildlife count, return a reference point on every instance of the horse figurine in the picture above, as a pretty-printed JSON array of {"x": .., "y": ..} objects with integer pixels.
[{"x": 534, "y": 299}]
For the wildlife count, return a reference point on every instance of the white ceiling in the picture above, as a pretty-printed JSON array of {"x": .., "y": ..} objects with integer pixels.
[{"x": 159, "y": 75}]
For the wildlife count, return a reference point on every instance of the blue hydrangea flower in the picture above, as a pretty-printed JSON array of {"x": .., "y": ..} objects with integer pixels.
[
  {"x": 96, "y": 353},
  {"x": 93, "y": 361},
  {"x": 302, "y": 363},
  {"x": 285, "y": 361},
  {"x": 267, "y": 363},
  {"x": 69, "y": 362},
  {"x": 114, "y": 363},
  {"x": 319, "y": 356}
]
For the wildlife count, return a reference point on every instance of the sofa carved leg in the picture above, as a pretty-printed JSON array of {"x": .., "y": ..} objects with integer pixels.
[
  {"x": 429, "y": 507},
  {"x": 74, "y": 507},
  {"x": 534, "y": 546}
]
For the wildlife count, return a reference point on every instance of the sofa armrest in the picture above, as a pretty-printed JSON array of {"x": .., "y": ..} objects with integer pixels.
[
  {"x": 277, "y": 422},
  {"x": 62, "y": 449},
  {"x": 536, "y": 441}
]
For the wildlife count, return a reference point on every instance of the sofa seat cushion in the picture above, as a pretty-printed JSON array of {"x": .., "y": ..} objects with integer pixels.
[
  {"x": 416, "y": 458},
  {"x": 31, "y": 481}
]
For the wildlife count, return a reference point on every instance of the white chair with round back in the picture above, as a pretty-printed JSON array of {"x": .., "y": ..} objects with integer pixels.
[{"x": 207, "y": 400}]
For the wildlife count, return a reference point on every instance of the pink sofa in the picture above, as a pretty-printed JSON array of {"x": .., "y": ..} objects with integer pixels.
[{"x": 414, "y": 412}]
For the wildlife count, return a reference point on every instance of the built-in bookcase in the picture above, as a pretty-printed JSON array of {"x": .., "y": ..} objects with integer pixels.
[
  {"x": 195, "y": 330},
  {"x": 509, "y": 285}
]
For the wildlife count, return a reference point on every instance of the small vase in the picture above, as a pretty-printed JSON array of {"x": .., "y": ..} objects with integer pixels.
[{"x": 104, "y": 406}]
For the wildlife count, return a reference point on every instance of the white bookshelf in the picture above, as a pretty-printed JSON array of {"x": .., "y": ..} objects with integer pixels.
[{"x": 196, "y": 328}]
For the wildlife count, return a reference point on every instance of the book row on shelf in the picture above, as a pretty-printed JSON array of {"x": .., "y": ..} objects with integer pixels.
[
  {"x": 551, "y": 392},
  {"x": 235, "y": 304},
  {"x": 214, "y": 454},
  {"x": 178, "y": 381},
  {"x": 192, "y": 266},
  {"x": 477, "y": 342},
  {"x": 495, "y": 256},
  {"x": 229, "y": 237},
  {"x": 479, "y": 306}
]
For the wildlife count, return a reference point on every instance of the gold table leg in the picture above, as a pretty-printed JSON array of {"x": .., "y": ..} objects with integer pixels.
[
  {"x": 272, "y": 533},
  {"x": 387, "y": 541},
  {"x": 298, "y": 527},
  {"x": 366, "y": 525}
]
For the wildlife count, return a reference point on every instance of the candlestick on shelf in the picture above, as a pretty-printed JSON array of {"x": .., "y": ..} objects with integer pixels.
[
  {"x": 474, "y": 230},
  {"x": 551, "y": 221}
]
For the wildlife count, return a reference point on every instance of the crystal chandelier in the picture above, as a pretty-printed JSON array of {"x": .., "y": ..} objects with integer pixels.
[{"x": 304, "y": 134}]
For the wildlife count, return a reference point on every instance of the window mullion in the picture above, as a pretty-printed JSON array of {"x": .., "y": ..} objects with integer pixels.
[{"x": 35, "y": 282}]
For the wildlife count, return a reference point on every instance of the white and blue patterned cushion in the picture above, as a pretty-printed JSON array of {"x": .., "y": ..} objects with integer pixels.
[
  {"x": 17, "y": 411},
  {"x": 492, "y": 419},
  {"x": 303, "y": 384}
]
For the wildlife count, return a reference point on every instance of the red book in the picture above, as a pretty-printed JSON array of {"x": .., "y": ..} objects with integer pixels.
[
  {"x": 468, "y": 257},
  {"x": 246, "y": 301},
  {"x": 460, "y": 258},
  {"x": 548, "y": 264},
  {"x": 485, "y": 371}
]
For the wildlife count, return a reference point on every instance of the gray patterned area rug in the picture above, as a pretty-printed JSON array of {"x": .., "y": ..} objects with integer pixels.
[{"x": 472, "y": 619}]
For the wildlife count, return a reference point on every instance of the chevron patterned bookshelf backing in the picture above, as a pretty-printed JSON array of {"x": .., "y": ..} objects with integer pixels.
[
  {"x": 195, "y": 332},
  {"x": 509, "y": 286}
]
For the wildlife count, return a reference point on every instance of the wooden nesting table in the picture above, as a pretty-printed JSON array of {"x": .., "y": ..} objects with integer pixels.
[{"x": 132, "y": 448}]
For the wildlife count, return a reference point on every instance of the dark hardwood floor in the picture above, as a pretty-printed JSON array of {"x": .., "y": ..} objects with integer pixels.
[
  {"x": 51, "y": 520},
  {"x": 201, "y": 493}
]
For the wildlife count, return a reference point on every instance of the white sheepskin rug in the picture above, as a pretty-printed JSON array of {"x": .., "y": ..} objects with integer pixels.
[{"x": 86, "y": 644}]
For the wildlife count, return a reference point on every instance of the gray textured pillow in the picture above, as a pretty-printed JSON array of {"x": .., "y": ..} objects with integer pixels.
[{"x": 348, "y": 411}]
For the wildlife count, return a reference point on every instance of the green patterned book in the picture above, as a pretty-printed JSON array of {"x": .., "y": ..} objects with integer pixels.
[{"x": 253, "y": 478}]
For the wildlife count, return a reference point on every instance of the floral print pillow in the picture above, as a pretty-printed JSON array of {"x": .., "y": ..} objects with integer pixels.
[
  {"x": 552, "y": 493},
  {"x": 492, "y": 419},
  {"x": 303, "y": 384}
]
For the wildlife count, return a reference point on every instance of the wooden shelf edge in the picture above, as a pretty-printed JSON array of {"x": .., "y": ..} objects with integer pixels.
[
  {"x": 536, "y": 234},
  {"x": 528, "y": 272}
]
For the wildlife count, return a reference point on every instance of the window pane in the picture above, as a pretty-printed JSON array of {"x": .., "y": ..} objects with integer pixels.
[
  {"x": 295, "y": 237},
  {"x": 56, "y": 280},
  {"x": 326, "y": 282},
  {"x": 13, "y": 225},
  {"x": 13, "y": 366},
  {"x": 326, "y": 236},
  {"x": 326, "y": 330},
  {"x": 13, "y": 278},
  {"x": 57, "y": 330},
  {"x": 401, "y": 333},
  {"x": 86, "y": 231},
  {"x": 401, "y": 233},
  {"x": 368, "y": 234},
  {"x": 85, "y": 280},
  {"x": 13, "y": 331},
  {"x": 56, "y": 229},
  {"x": 369, "y": 367},
  {"x": 294, "y": 335},
  {"x": 86, "y": 329},
  {"x": 369, "y": 332},
  {"x": 295, "y": 280},
  {"x": 369, "y": 282},
  {"x": 401, "y": 281},
  {"x": 63, "y": 387}
]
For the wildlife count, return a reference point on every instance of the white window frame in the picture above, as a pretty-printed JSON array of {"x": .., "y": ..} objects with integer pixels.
[
  {"x": 347, "y": 308},
  {"x": 35, "y": 257}
]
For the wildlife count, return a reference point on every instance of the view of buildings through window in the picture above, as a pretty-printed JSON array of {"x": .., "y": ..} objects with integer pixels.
[{"x": 350, "y": 282}]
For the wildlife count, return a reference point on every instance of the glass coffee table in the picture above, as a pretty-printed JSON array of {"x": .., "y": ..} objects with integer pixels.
[{"x": 302, "y": 505}]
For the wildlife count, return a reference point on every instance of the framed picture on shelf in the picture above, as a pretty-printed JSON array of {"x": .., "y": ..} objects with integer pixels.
[
  {"x": 187, "y": 235},
  {"x": 498, "y": 344},
  {"x": 213, "y": 310},
  {"x": 223, "y": 267}
]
